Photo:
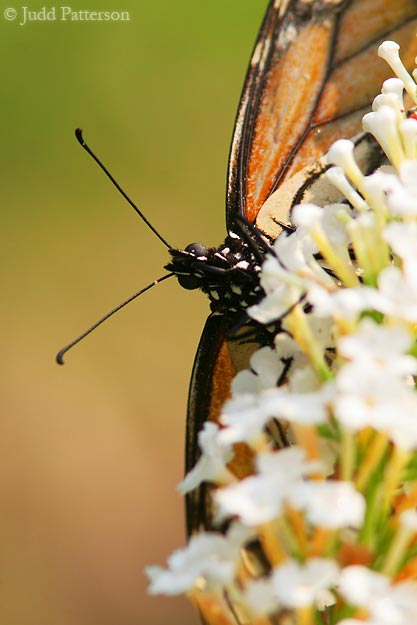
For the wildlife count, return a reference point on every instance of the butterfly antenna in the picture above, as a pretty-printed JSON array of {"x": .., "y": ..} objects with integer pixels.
[
  {"x": 80, "y": 139},
  {"x": 63, "y": 351}
]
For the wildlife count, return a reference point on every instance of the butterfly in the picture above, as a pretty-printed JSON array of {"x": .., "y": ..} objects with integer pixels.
[{"x": 313, "y": 74}]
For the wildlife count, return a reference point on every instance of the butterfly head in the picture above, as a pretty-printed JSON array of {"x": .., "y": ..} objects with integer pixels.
[
  {"x": 229, "y": 275},
  {"x": 189, "y": 265}
]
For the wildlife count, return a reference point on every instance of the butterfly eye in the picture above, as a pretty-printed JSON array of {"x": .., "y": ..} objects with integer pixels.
[
  {"x": 189, "y": 282},
  {"x": 198, "y": 249}
]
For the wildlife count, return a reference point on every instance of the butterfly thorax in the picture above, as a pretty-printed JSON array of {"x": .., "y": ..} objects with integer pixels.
[{"x": 229, "y": 274}]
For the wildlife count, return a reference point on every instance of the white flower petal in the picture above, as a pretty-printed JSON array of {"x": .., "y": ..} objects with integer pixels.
[
  {"x": 331, "y": 504},
  {"x": 298, "y": 585},
  {"x": 208, "y": 561},
  {"x": 211, "y": 466}
]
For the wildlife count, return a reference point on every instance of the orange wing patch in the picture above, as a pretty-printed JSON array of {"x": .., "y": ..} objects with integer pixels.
[
  {"x": 368, "y": 20},
  {"x": 228, "y": 362},
  {"x": 316, "y": 76},
  {"x": 282, "y": 115}
]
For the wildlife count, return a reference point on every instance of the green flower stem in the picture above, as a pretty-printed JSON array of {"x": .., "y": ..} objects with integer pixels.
[
  {"x": 347, "y": 454},
  {"x": 376, "y": 450},
  {"x": 393, "y": 474},
  {"x": 397, "y": 550}
]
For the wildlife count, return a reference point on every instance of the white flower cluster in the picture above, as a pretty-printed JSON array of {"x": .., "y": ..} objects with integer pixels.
[{"x": 333, "y": 512}]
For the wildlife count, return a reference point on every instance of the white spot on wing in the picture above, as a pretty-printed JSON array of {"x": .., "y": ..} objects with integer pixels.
[
  {"x": 256, "y": 54},
  {"x": 283, "y": 7},
  {"x": 287, "y": 35}
]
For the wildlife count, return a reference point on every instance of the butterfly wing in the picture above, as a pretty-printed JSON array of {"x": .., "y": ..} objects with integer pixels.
[
  {"x": 217, "y": 360},
  {"x": 211, "y": 376},
  {"x": 313, "y": 74}
]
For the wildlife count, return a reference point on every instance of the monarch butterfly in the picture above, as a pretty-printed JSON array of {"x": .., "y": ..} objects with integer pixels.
[{"x": 313, "y": 74}]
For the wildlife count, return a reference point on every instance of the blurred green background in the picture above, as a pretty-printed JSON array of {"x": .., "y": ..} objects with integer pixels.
[{"x": 91, "y": 452}]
